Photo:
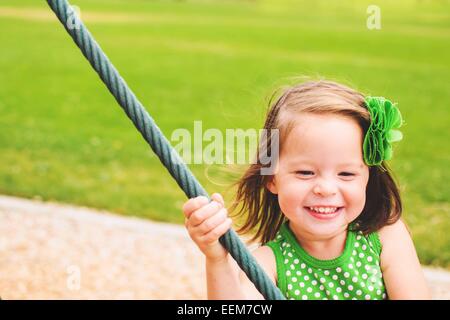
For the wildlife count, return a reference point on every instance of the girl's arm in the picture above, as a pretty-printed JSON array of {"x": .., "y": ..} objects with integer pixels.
[
  {"x": 206, "y": 222},
  {"x": 225, "y": 280},
  {"x": 402, "y": 273}
]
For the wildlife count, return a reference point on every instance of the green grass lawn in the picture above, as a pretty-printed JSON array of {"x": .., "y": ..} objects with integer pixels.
[{"x": 64, "y": 138}]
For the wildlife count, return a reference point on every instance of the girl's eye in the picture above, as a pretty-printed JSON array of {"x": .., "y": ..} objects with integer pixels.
[
  {"x": 305, "y": 173},
  {"x": 346, "y": 174}
]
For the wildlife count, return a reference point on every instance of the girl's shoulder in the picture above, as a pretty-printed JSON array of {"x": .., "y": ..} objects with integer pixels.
[
  {"x": 266, "y": 259},
  {"x": 393, "y": 231},
  {"x": 394, "y": 237}
]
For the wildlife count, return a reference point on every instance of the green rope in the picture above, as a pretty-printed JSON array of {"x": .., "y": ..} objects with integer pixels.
[{"x": 153, "y": 135}]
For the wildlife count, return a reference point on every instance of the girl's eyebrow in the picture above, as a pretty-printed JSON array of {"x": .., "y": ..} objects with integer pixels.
[
  {"x": 299, "y": 160},
  {"x": 355, "y": 165},
  {"x": 358, "y": 165}
]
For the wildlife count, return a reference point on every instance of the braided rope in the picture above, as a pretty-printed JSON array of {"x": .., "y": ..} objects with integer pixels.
[{"x": 157, "y": 141}]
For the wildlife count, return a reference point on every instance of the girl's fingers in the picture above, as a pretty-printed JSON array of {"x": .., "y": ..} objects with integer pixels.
[
  {"x": 211, "y": 223},
  {"x": 212, "y": 236},
  {"x": 196, "y": 203},
  {"x": 200, "y": 215},
  {"x": 193, "y": 204}
]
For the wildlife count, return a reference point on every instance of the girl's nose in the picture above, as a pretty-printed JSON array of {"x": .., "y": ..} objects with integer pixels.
[{"x": 325, "y": 189}]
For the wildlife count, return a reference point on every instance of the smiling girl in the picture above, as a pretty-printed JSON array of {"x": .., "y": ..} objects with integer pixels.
[{"x": 328, "y": 216}]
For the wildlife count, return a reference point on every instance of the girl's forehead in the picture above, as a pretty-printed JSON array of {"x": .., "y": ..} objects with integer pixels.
[{"x": 324, "y": 135}]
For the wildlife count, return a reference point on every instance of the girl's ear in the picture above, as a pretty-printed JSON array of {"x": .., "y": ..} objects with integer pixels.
[{"x": 272, "y": 186}]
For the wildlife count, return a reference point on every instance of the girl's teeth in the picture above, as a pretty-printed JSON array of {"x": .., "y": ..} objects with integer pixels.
[{"x": 323, "y": 209}]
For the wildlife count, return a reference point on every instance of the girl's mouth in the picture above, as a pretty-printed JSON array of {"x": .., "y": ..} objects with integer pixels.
[{"x": 324, "y": 212}]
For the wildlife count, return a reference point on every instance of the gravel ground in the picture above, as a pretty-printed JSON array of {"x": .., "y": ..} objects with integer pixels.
[{"x": 54, "y": 251}]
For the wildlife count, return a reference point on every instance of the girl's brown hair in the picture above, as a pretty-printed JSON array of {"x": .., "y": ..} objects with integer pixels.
[{"x": 383, "y": 204}]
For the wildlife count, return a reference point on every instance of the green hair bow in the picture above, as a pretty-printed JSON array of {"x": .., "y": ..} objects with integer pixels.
[{"x": 385, "y": 117}]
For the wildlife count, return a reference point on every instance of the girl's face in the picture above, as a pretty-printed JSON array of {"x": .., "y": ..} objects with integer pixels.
[{"x": 321, "y": 177}]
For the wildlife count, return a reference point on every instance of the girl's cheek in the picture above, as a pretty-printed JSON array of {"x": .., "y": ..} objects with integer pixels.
[
  {"x": 291, "y": 197},
  {"x": 355, "y": 195},
  {"x": 296, "y": 189},
  {"x": 289, "y": 207}
]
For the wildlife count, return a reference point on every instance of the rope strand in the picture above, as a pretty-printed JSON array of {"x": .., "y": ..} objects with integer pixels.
[{"x": 157, "y": 141}]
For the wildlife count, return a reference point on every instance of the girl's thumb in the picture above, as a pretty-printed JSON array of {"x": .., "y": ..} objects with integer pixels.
[{"x": 218, "y": 197}]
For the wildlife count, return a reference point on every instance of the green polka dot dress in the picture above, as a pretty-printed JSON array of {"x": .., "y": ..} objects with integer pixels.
[{"x": 355, "y": 274}]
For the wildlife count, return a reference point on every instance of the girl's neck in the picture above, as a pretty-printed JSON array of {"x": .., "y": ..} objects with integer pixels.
[{"x": 322, "y": 249}]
